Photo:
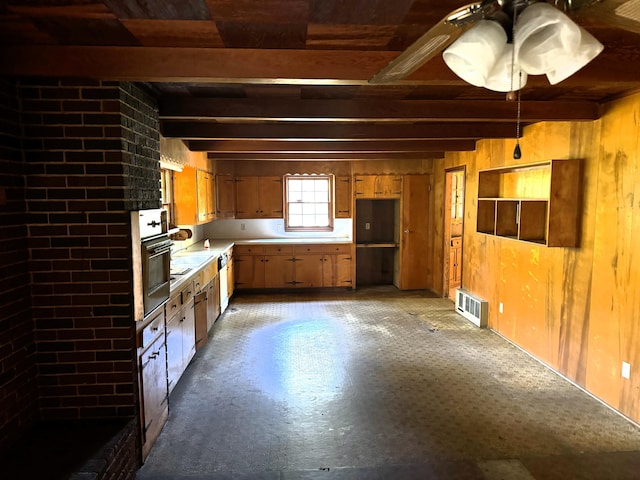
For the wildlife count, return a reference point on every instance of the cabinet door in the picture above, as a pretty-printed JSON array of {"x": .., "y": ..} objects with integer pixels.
[
  {"x": 174, "y": 350},
  {"x": 185, "y": 197},
  {"x": 364, "y": 186},
  {"x": 388, "y": 186},
  {"x": 247, "y": 197},
  {"x": 343, "y": 197},
  {"x": 279, "y": 271},
  {"x": 414, "y": 267},
  {"x": 308, "y": 270},
  {"x": 249, "y": 271},
  {"x": 336, "y": 270},
  {"x": 200, "y": 311},
  {"x": 188, "y": 334},
  {"x": 230, "y": 278},
  {"x": 153, "y": 376},
  {"x": 270, "y": 197},
  {"x": 213, "y": 301},
  {"x": 202, "y": 190},
  {"x": 226, "y": 196}
]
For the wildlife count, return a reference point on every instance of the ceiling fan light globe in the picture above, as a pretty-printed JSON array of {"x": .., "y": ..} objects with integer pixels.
[
  {"x": 474, "y": 54},
  {"x": 544, "y": 36},
  {"x": 589, "y": 49},
  {"x": 504, "y": 77}
]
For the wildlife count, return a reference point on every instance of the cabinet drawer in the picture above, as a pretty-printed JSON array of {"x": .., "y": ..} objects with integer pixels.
[
  {"x": 153, "y": 330},
  {"x": 278, "y": 250},
  {"x": 345, "y": 249},
  {"x": 186, "y": 293},
  {"x": 308, "y": 248},
  {"x": 456, "y": 242},
  {"x": 205, "y": 275},
  {"x": 248, "y": 249},
  {"x": 174, "y": 304}
]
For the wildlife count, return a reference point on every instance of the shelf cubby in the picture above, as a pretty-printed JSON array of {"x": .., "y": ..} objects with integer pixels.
[{"x": 538, "y": 203}]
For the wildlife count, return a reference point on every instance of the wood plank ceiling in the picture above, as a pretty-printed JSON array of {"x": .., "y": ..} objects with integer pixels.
[{"x": 287, "y": 79}]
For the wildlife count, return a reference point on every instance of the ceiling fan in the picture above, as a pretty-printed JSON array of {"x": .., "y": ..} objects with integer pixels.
[{"x": 489, "y": 20}]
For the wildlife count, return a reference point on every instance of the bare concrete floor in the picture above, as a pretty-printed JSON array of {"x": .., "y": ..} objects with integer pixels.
[{"x": 378, "y": 384}]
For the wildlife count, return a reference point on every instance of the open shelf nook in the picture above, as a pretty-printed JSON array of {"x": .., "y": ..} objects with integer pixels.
[{"x": 538, "y": 203}]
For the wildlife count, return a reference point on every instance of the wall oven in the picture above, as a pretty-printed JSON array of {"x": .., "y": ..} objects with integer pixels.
[{"x": 155, "y": 256}]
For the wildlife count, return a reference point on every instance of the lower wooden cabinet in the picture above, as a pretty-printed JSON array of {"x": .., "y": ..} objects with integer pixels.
[
  {"x": 181, "y": 334},
  {"x": 200, "y": 306},
  {"x": 293, "y": 266},
  {"x": 153, "y": 380}
]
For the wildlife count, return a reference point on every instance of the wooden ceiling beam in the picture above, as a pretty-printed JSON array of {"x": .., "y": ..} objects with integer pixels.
[
  {"x": 296, "y": 146},
  {"x": 324, "y": 131},
  {"x": 343, "y": 156},
  {"x": 182, "y": 64},
  {"x": 274, "y": 109}
]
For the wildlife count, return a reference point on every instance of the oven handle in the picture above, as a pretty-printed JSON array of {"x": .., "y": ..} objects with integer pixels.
[{"x": 159, "y": 248}]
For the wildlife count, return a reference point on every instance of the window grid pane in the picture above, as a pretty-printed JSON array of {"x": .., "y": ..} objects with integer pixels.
[{"x": 308, "y": 202}]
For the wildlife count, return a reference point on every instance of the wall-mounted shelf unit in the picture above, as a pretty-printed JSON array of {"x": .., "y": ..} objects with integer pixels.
[{"x": 537, "y": 203}]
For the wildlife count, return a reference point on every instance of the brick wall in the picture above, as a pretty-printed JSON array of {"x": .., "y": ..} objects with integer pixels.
[
  {"x": 18, "y": 398},
  {"x": 91, "y": 151}
]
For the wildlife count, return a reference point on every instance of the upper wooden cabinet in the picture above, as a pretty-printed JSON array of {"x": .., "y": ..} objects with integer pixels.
[
  {"x": 343, "y": 196},
  {"x": 258, "y": 197},
  {"x": 194, "y": 196},
  {"x": 378, "y": 186},
  {"x": 226, "y": 196},
  {"x": 537, "y": 203}
]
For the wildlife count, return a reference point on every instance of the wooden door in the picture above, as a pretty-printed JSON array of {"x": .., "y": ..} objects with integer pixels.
[
  {"x": 247, "y": 197},
  {"x": 225, "y": 196},
  {"x": 342, "y": 196},
  {"x": 270, "y": 195},
  {"x": 388, "y": 186},
  {"x": 455, "y": 264},
  {"x": 309, "y": 270},
  {"x": 414, "y": 221},
  {"x": 279, "y": 271},
  {"x": 364, "y": 186},
  {"x": 249, "y": 271}
]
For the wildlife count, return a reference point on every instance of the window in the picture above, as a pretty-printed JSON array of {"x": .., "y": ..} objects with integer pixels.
[{"x": 308, "y": 202}]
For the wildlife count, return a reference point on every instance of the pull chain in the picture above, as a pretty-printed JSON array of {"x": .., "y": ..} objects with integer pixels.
[{"x": 517, "y": 153}]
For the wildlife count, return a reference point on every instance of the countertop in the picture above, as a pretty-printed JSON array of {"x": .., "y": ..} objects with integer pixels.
[
  {"x": 192, "y": 259},
  {"x": 195, "y": 257},
  {"x": 268, "y": 241}
]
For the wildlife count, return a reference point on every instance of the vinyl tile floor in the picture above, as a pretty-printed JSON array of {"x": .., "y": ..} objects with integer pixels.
[{"x": 378, "y": 384}]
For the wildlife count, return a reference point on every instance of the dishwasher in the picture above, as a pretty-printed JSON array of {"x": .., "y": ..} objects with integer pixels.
[{"x": 223, "y": 259}]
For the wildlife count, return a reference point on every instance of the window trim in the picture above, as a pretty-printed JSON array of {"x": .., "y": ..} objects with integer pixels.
[{"x": 331, "y": 180}]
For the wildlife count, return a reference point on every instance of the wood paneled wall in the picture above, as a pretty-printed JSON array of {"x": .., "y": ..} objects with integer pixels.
[
  {"x": 576, "y": 309},
  {"x": 263, "y": 167}
]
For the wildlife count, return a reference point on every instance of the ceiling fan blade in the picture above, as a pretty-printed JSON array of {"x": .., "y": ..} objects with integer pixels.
[
  {"x": 420, "y": 52},
  {"x": 623, "y": 14}
]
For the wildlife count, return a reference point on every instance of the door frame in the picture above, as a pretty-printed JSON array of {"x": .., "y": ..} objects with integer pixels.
[{"x": 446, "y": 237}]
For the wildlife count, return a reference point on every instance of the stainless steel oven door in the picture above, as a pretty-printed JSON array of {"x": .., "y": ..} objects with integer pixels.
[{"x": 156, "y": 271}]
